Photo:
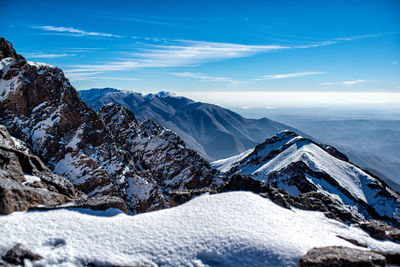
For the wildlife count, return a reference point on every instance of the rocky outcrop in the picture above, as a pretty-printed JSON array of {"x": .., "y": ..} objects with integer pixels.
[
  {"x": 157, "y": 150},
  {"x": 17, "y": 256},
  {"x": 341, "y": 256},
  {"x": 25, "y": 182},
  {"x": 380, "y": 230},
  {"x": 39, "y": 106}
]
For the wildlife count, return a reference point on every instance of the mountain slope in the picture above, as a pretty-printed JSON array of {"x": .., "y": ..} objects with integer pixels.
[
  {"x": 39, "y": 106},
  {"x": 299, "y": 165},
  {"x": 213, "y": 131}
]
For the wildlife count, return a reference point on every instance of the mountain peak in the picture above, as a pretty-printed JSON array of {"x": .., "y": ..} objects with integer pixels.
[{"x": 7, "y": 50}]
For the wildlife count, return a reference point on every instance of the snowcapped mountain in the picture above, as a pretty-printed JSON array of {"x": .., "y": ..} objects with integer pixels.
[
  {"x": 211, "y": 130},
  {"x": 300, "y": 192},
  {"x": 39, "y": 106},
  {"x": 299, "y": 165}
]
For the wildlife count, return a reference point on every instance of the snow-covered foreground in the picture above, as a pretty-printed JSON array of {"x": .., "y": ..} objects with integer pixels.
[{"x": 236, "y": 229}]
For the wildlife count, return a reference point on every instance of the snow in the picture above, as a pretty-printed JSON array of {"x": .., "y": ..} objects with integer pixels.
[
  {"x": 6, "y": 86},
  {"x": 40, "y": 65},
  {"x": 346, "y": 174},
  {"x": 31, "y": 178},
  {"x": 259, "y": 164},
  {"x": 5, "y": 63},
  {"x": 225, "y": 165},
  {"x": 230, "y": 229}
]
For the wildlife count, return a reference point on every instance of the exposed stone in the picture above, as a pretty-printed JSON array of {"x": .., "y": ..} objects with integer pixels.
[
  {"x": 380, "y": 230},
  {"x": 42, "y": 188},
  {"x": 17, "y": 255},
  {"x": 94, "y": 203},
  {"x": 157, "y": 150},
  {"x": 7, "y": 49},
  {"x": 341, "y": 256}
]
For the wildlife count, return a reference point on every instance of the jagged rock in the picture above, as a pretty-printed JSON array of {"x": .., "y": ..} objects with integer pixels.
[
  {"x": 94, "y": 203},
  {"x": 39, "y": 106},
  {"x": 380, "y": 230},
  {"x": 157, "y": 150},
  {"x": 180, "y": 197},
  {"x": 341, "y": 256},
  {"x": 7, "y": 49},
  {"x": 26, "y": 183},
  {"x": 17, "y": 255}
]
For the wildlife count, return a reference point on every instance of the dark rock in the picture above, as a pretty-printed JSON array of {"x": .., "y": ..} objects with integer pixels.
[
  {"x": 380, "y": 230},
  {"x": 18, "y": 194},
  {"x": 392, "y": 257},
  {"x": 341, "y": 256},
  {"x": 7, "y": 49},
  {"x": 334, "y": 152},
  {"x": 94, "y": 203},
  {"x": 180, "y": 197},
  {"x": 18, "y": 254},
  {"x": 18, "y": 197}
]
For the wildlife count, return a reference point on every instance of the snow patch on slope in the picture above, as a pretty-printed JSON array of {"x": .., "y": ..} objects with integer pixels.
[
  {"x": 225, "y": 165},
  {"x": 40, "y": 65}
]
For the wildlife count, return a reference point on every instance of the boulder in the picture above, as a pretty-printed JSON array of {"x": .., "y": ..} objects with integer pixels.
[
  {"x": 341, "y": 256},
  {"x": 17, "y": 256}
]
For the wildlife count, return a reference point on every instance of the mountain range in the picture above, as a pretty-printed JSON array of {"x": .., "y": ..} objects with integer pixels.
[
  {"x": 59, "y": 155},
  {"x": 213, "y": 131}
]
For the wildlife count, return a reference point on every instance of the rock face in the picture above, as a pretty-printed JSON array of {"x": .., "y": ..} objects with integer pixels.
[
  {"x": 300, "y": 166},
  {"x": 25, "y": 182},
  {"x": 341, "y": 256},
  {"x": 157, "y": 150},
  {"x": 106, "y": 154},
  {"x": 39, "y": 106}
]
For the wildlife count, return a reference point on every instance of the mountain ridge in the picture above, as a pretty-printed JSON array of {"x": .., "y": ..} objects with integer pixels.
[{"x": 215, "y": 132}]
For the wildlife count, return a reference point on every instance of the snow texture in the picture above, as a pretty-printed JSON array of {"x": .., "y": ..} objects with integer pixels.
[{"x": 230, "y": 229}]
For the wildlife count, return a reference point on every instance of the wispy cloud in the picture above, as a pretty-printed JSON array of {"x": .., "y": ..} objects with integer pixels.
[
  {"x": 346, "y": 83},
  {"x": 287, "y": 75},
  {"x": 43, "y": 55},
  {"x": 188, "y": 53},
  {"x": 204, "y": 77},
  {"x": 72, "y": 76},
  {"x": 73, "y": 31},
  {"x": 181, "y": 53}
]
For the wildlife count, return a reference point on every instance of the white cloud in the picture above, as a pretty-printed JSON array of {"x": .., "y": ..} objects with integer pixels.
[
  {"x": 184, "y": 53},
  {"x": 346, "y": 83},
  {"x": 42, "y": 55},
  {"x": 181, "y": 53},
  {"x": 74, "y": 31},
  {"x": 287, "y": 75},
  {"x": 204, "y": 77},
  {"x": 93, "y": 76}
]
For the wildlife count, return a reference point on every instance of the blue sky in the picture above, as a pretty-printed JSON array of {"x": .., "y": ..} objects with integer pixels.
[{"x": 213, "y": 46}]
